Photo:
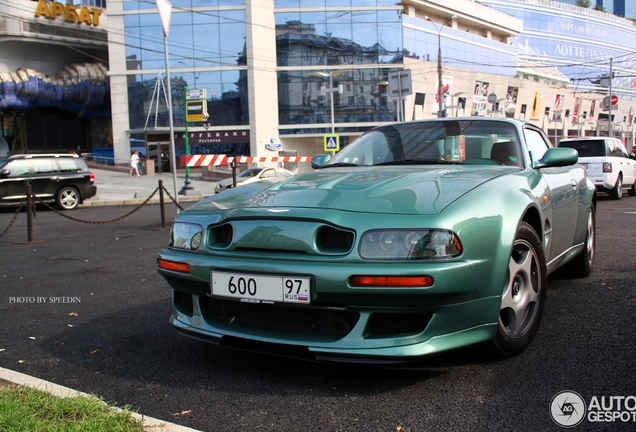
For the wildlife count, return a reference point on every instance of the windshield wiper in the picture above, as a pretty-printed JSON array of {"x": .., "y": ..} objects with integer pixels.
[
  {"x": 340, "y": 164},
  {"x": 418, "y": 162}
]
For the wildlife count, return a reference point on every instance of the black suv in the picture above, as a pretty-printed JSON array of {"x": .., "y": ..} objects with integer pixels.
[{"x": 60, "y": 178}]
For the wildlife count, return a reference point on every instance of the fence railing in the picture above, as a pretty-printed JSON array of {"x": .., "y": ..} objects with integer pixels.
[{"x": 31, "y": 201}]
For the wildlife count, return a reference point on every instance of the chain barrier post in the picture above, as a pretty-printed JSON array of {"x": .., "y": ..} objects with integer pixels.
[
  {"x": 29, "y": 214},
  {"x": 162, "y": 204},
  {"x": 233, "y": 164},
  {"x": 30, "y": 211}
]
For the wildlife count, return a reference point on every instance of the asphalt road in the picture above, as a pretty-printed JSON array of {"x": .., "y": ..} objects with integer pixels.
[{"x": 98, "y": 322}]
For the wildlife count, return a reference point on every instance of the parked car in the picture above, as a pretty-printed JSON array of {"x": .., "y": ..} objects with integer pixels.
[
  {"x": 415, "y": 239},
  {"x": 60, "y": 178},
  {"x": 607, "y": 163},
  {"x": 253, "y": 175}
]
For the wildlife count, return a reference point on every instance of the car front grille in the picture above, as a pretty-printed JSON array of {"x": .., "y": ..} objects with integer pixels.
[
  {"x": 386, "y": 324},
  {"x": 281, "y": 318}
]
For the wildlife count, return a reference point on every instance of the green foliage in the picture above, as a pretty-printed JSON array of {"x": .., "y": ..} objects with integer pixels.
[
  {"x": 600, "y": 8},
  {"x": 583, "y": 3},
  {"x": 27, "y": 409}
]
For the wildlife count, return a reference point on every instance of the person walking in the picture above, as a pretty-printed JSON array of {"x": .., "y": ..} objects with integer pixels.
[{"x": 134, "y": 163}]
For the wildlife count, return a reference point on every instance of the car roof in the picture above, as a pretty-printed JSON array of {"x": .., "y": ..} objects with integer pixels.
[
  {"x": 586, "y": 138},
  {"x": 39, "y": 155},
  {"x": 517, "y": 122}
]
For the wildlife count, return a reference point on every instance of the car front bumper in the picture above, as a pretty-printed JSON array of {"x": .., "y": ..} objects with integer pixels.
[{"x": 343, "y": 322}]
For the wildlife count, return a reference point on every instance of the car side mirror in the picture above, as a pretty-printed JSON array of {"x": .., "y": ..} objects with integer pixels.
[
  {"x": 319, "y": 160},
  {"x": 4, "y": 173},
  {"x": 558, "y": 157}
]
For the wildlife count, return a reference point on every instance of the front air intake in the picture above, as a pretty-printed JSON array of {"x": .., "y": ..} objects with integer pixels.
[
  {"x": 221, "y": 236},
  {"x": 334, "y": 240}
]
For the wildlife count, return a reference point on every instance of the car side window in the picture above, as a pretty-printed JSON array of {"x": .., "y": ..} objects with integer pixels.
[
  {"x": 67, "y": 165},
  {"x": 268, "y": 174},
  {"x": 611, "y": 147},
  {"x": 18, "y": 168},
  {"x": 536, "y": 144},
  {"x": 44, "y": 166}
]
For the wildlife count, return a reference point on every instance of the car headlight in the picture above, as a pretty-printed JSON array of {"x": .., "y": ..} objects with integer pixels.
[
  {"x": 186, "y": 235},
  {"x": 409, "y": 244}
]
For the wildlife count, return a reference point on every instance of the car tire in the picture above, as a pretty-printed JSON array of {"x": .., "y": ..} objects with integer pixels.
[
  {"x": 617, "y": 192},
  {"x": 632, "y": 190},
  {"x": 523, "y": 295},
  {"x": 67, "y": 198},
  {"x": 582, "y": 265}
]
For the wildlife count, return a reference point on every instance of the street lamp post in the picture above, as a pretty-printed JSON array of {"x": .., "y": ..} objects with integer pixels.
[
  {"x": 331, "y": 90},
  {"x": 440, "y": 110}
]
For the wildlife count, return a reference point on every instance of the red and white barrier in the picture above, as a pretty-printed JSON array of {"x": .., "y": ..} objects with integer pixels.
[{"x": 215, "y": 160}]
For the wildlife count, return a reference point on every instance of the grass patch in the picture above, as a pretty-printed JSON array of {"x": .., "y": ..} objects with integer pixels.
[{"x": 27, "y": 409}]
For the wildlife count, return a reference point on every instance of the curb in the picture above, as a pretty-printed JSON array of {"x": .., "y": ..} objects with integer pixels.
[
  {"x": 150, "y": 423},
  {"x": 137, "y": 201}
]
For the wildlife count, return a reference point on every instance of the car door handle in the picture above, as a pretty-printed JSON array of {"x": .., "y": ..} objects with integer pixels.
[{"x": 573, "y": 183}]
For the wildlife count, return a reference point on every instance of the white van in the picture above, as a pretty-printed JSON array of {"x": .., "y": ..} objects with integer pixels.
[{"x": 607, "y": 162}]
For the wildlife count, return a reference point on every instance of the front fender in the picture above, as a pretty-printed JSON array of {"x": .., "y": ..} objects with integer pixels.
[{"x": 496, "y": 209}]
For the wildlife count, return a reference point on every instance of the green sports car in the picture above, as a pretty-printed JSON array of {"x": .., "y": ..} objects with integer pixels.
[{"x": 416, "y": 238}]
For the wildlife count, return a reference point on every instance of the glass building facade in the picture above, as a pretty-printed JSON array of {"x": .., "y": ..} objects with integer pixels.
[
  {"x": 207, "y": 51},
  {"x": 578, "y": 45},
  {"x": 305, "y": 46},
  {"x": 461, "y": 49},
  {"x": 357, "y": 48}
]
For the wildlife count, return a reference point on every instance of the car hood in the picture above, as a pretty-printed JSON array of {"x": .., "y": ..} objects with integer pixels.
[{"x": 396, "y": 190}]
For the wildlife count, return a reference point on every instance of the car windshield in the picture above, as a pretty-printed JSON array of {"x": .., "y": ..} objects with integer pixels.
[
  {"x": 3, "y": 162},
  {"x": 435, "y": 142},
  {"x": 250, "y": 173},
  {"x": 586, "y": 148}
]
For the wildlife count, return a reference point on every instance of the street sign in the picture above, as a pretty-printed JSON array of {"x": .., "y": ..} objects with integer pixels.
[
  {"x": 492, "y": 98},
  {"x": 197, "y": 110},
  {"x": 332, "y": 142},
  {"x": 196, "y": 94},
  {"x": 165, "y": 12},
  {"x": 400, "y": 84},
  {"x": 606, "y": 101}
]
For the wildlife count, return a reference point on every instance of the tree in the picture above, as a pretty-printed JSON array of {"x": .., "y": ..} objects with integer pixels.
[
  {"x": 583, "y": 3},
  {"x": 600, "y": 8}
]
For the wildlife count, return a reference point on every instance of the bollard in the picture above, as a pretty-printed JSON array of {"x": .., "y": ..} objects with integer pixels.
[
  {"x": 162, "y": 207},
  {"x": 233, "y": 163},
  {"x": 29, "y": 214},
  {"x": 30, "y": 205},
  {"x": 162, "y": 204}
]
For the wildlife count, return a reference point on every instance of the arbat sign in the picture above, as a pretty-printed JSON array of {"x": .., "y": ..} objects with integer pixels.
[{"x": 85, "y": 15}]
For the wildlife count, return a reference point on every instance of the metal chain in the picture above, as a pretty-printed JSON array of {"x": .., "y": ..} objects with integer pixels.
[
  {"x": 15, "y": 216},
  {"x": 173, "y": 200},
  {"x": 99, "y": 222}
]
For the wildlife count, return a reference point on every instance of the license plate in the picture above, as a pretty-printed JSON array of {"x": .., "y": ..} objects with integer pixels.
[{"x": 252, "y": 288}]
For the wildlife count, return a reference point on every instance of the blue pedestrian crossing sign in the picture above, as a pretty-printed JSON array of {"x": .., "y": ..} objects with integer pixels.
[{"x": 332, "y": 142}]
